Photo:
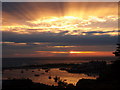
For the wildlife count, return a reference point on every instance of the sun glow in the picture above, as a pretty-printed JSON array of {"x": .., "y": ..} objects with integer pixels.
[
  {"x": 78, "y": 52},
  {"x": 59, "y": 28},
  {"x": 74, "y": 25},
  {"x": 67, "y": 52},
  {"x": 74, "y": 17}
]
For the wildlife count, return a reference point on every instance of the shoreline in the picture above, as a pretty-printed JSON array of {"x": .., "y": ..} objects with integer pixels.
[
  {"x": 108, "y": 79},
  {"x": 89, "y": 68}
]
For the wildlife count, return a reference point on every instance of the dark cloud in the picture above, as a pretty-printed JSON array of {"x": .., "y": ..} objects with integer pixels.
[
  {"x": 57, "y": 38},
  {"x": 95, "y": 32},
  {"x": 63, "y": 32},
  {"x": 92, "y": 32}
]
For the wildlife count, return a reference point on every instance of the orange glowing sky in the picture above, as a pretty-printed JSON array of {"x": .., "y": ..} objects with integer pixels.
[{"x": 54, "y": 20}]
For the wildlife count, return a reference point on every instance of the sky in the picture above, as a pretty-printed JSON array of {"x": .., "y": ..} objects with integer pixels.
[
  {"x": 60, "y": 0},
  {"x": 59, "y": 29}
]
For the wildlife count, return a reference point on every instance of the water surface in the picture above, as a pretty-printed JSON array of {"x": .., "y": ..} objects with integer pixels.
[{"x": 43, "y": 78}]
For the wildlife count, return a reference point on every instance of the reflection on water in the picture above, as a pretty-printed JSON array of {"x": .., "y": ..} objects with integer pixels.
[{"x": 41, "y": 76}]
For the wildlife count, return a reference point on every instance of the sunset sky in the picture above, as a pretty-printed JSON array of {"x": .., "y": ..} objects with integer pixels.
[{"x": 59, "y": 29}]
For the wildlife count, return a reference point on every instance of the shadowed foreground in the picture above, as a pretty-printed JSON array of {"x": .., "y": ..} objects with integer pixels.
[{"x": 109, "y": 79}]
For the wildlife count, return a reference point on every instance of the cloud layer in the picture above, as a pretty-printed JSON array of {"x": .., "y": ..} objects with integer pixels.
[{"x": 59, "y": 28}]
